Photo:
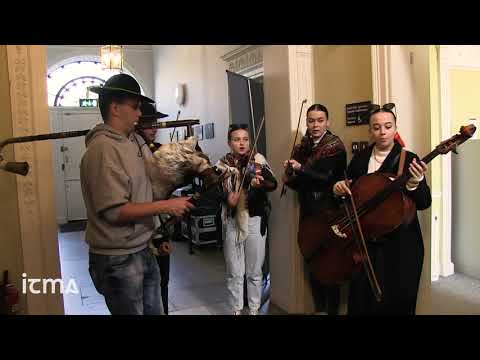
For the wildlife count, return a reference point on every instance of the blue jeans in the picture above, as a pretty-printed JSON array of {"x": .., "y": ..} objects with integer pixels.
[{"x": 129, "y": 283}]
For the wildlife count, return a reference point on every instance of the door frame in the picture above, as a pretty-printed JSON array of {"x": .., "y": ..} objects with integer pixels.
[
  {"x": 450, "y": 57},
  {"x": 56, "y": 115}
]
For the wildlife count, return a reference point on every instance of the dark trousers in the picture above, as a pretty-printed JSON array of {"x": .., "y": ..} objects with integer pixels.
[
  {"x": 164, "y": 265},
  {"x": 325, "y": 298}
]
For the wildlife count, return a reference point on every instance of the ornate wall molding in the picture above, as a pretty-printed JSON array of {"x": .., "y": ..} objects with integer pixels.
[
  {"x": 22, "y": 126},
  {"x": 381, "y": 73},
  {"x": 245, "y": 59},
  {"x": 27, "y": 74},
  {"x": 21, "y": 109},
  {"x": 301, "y": 81}
]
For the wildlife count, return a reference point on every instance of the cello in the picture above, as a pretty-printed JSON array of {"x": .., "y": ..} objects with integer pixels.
[{"x": 334, "y": 245}]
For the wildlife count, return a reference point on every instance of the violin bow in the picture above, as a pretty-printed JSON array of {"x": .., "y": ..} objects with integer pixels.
[
  {"x": 284, "y": 189},
  {"x": 252, "y": 152},
  {"x": 173, "y": 132},
  {"x": 367, "y": 264},
  {"x": 245, "y": 173}
]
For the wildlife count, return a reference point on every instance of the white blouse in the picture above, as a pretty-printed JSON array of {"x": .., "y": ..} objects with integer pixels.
[{"x": 376, "y": 159}]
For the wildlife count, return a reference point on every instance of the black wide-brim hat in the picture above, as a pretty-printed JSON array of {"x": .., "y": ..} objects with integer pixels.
[
  {"x": 121, "y": 83},
  {"x": 149, "y": 113}
]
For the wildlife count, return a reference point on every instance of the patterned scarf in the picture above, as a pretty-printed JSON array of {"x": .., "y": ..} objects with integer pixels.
[{"x": 238, "y": 165}]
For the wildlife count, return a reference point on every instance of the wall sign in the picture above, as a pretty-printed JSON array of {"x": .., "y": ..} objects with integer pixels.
[
  {"x": 355, "y": 112},
  {"x": 88, "y": 102}
]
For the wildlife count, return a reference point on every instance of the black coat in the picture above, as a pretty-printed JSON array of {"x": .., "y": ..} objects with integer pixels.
[
  {"x": 398, "y": 257},
  {"x": 322, "y": 166}
]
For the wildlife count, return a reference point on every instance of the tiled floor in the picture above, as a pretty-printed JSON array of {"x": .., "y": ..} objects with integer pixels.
[
  {"x": 74, "y": 265},
  {"x": 197, "y": 285},
  {"x": 197, "y": 282},
  {"x": 457, "y": 294}
]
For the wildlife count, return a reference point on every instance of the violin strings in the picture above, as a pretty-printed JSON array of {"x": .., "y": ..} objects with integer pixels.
[
  {"x": 371, "y": 203},
  {"x": 251, "y": 153}
]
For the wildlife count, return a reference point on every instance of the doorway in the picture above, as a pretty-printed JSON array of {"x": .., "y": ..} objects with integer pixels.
[
  {"x": 246, "y": 99},
  {"x": 71, "y": 212},
  {"x": 455, "y": 270},
  {"x": 67, "y": 156}
]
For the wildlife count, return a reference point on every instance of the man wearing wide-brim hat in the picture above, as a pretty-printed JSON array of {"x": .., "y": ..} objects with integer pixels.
[
  {"x": 149, "y": 117},
  {"x": 118, "y": 197}
]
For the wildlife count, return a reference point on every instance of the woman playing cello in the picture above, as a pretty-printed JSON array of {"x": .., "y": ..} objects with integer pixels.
[{"x": 397, "y": 257}]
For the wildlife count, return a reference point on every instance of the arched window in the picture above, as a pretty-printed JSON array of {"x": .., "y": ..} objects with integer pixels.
[{"x": 67, "y": 83}]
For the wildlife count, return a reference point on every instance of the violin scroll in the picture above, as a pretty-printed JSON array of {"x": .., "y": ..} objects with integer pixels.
[{"x": 466, "y": 132}]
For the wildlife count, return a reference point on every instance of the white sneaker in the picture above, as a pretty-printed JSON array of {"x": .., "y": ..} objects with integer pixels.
[
  {"x": 253, "y": 312},
  {"x": 237, "y": 312}
]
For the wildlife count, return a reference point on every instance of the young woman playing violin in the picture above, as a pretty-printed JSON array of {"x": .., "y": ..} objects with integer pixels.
[
  {"x": 245, "y": 215},
  {"x": 317, "y": 163},
  {"x": 397, "y": 257}
]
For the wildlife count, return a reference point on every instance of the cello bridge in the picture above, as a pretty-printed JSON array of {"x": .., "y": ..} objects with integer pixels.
[{"x": 337, "y": 232}]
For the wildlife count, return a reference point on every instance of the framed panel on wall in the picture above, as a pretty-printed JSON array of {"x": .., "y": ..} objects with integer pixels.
[
  {"x": 198, "y": 132},
  {"x": 209, "y": 131}
]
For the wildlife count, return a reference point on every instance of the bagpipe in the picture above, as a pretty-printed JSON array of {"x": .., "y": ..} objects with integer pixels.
[{"x": 22, "y": 168}]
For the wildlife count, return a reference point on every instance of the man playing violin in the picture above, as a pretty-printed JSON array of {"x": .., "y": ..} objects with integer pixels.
[
  {"x": 317, "y": 163},
  {"x": 397, "y": 257}
]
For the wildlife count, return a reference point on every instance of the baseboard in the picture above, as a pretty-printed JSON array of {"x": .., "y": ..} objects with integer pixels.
[
  {"x": 447, "y": 269},
  {"x": 276, "y": 310}
]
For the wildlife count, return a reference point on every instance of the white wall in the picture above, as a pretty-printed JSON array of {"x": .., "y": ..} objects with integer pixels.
[
  {"x": 451, "y": 57},
  {"x": 138, "y": 60},
  {"x": 410, "y": 91},
  {"x": 465, "y": 244},
  {"x": 203, "y": 72},
  {"x": 460, "y": 74}
]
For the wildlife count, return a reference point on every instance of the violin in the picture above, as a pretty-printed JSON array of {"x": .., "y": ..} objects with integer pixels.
[
  {"x": 250, "y": 170},
  {"x": 251, "y": 167},
  {"x": 306, "y": 146},
  {"x": 334, "y": 246}
]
